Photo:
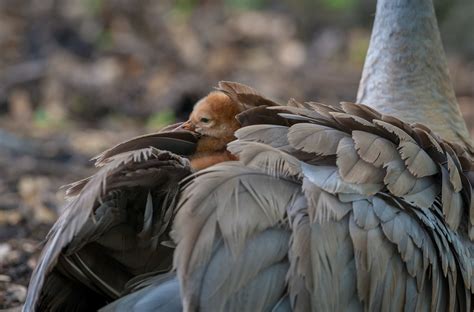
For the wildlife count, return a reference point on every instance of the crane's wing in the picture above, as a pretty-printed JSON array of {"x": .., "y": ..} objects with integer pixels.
[
  {"x": 233, "y": 239},
  {"x": 358, "y": 210},
  {"x": 114, "y": 226},
  {"x": 159, "y": 292}
]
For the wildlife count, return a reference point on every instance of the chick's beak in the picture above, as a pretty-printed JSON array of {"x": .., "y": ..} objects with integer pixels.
[{"x": 188, "y": 126}]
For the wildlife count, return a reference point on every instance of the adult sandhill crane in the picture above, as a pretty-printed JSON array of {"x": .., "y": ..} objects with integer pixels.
[{"x": 328, "y": 208}]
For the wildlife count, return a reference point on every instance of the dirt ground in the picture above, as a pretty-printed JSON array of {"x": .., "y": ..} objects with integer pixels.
[{"x": 79, "y": 76}]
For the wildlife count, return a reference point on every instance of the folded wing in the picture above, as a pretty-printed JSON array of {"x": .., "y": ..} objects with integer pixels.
[{"x": 115, "y": 225}]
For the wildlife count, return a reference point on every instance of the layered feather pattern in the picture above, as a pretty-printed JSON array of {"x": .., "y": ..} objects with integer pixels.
[{"x": 378, "y": 214}]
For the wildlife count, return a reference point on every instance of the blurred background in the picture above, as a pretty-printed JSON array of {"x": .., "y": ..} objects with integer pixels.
[{"x": 77, "y": 76}]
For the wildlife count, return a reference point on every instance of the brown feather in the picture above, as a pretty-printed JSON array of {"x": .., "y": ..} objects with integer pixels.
[
  {"x": 244, "y": 94},
  {"x": 361, "y": 110},
  {"x": 262, "y": 115},
  {"x": 179, "y": 142}
]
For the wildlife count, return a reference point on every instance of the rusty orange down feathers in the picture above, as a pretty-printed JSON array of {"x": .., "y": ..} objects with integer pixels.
[{"x": 213, "y": 117}]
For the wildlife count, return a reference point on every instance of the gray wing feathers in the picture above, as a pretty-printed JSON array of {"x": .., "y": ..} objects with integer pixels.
[
  {"x": 162, "y": 295},
  {"x": 407, "y": 192},
  {"x": 322, "y": 261},
  {"x": 226, "y": 215}
]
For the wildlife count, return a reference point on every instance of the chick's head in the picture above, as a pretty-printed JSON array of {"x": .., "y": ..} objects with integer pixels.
[{"x": 214, "y": 116}]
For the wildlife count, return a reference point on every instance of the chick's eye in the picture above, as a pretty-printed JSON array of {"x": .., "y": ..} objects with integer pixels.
[{"x": 205, "y": 120}]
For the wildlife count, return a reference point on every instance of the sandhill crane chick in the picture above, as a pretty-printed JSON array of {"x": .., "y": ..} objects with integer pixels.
[{"x": 213, "y": 117}]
